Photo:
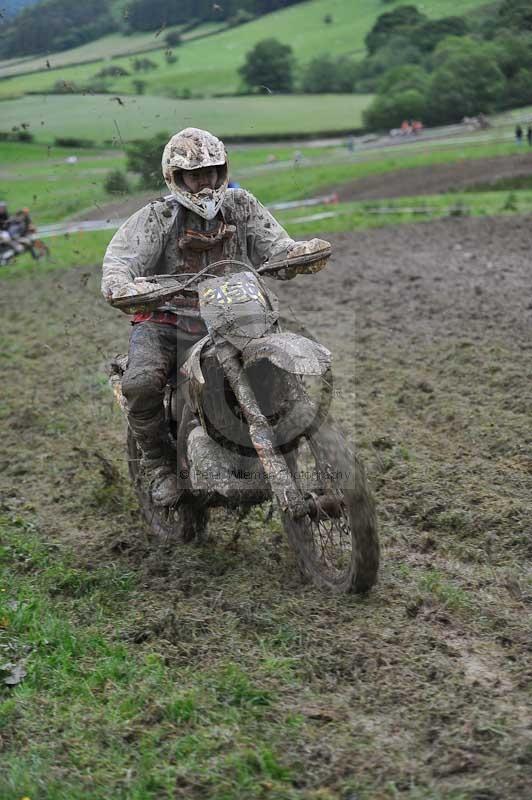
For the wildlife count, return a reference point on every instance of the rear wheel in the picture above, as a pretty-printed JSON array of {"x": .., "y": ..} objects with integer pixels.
[
  {"x": 338, "y": 546},
  {"x": 183, "y": 523}
]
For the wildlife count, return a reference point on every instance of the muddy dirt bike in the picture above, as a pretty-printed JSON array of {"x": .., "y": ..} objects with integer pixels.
[
  {"x": 247, "y": 422},
  {"x": 31, "y": 244}
]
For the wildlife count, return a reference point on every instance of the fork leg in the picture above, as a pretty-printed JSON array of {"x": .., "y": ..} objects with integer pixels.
[{"x": 261, "y": 434}]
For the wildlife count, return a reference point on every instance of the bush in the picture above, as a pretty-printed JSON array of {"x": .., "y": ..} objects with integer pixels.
[
  {"x": 16, "y": 136},
  {"x": 64, "y": 87},
  {"x": 114, "y": 71},
  {"x": 173, "y": 39},
  {"x": 96, "y": 86},
  {"x": 144, "y": 157},
  {"x": 240, "y": 18},
  {"x": 389, "y": 111},
  {"x": 72, "y": 141},
  {"x": 139, "y": 86},
  {"x": 24, "y": 136},
  {"x": 144, "y": 65},
  {"x": 170, "y": 57},
  {"x": 116, "y": 182}
]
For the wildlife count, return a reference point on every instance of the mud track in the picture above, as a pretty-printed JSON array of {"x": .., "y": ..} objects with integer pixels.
[
  {"x": 426, "y": 680},
  {"x": 437, "y": 178}
]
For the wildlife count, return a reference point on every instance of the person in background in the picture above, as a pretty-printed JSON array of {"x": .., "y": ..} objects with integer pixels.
[
  {"x": 529, "y": 135},
  {"x": 9, "y": 229},
  {"x": 518, "y": 134},
  {"x": 4, "y": 215},
  {"x": 20, "y": 229}
]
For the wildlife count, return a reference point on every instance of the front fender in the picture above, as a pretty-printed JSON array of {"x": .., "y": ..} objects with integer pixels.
[{"x": 290, "y": 352}]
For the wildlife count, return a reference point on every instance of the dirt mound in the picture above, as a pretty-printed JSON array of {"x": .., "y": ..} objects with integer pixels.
[
  {"x": 437, "y": 178},
  {"x": 426, "y": 680}
]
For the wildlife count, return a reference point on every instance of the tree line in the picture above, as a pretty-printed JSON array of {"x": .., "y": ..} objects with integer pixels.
[
  {"x": 54, "y": 25},
  {"x": 443, "y": 70},
  {"x": 148, "y": 15}
]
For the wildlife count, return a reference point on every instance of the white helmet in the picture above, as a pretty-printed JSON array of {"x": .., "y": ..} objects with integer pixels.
[{"x": 189, "y": 149}]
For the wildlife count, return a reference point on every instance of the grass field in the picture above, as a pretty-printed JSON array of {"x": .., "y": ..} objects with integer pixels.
[
  {"x": 363, "y": 215},
  {"x": 96, "y": 117},
  {"x": 210, "y": 65},
  {"x": 37, "y": 175}
]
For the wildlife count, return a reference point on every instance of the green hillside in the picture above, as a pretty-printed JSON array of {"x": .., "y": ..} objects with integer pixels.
[
  {"x": 115, "y": 44},
  {"x": 210, "y": 65},
  {"x": 97, "y": 117}
]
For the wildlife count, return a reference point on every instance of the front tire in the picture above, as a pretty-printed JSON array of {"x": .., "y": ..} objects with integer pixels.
[{"x": 338, "y": 553}]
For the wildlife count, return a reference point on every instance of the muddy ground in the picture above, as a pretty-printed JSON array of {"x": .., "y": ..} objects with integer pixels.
[
  {"x": 421, "y": 689},
  {"x": 437, "y": 178}
]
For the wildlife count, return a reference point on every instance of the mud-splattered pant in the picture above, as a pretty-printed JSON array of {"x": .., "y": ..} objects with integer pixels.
[{"x": 155, "y": 349}]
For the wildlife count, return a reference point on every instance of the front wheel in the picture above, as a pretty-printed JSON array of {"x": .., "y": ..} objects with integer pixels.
[
  {"x": 338, "y": 546},
  {"x": 184, "y": 523}
]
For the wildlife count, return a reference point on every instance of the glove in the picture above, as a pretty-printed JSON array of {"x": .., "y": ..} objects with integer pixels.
[
  {"x": 306, "y": 248},
  {"x": 133, "y": 289}
]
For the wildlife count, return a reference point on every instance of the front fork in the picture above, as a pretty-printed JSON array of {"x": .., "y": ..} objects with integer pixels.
[{"x": 261, "y": 434}]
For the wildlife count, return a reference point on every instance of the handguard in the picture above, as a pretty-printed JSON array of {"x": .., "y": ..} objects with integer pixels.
[
  {"x": 314, "y": 260},
  {"x": 151, "y": 299}
]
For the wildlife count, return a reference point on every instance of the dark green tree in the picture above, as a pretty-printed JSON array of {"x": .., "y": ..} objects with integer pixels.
[
  {"x": 430, "y": 33},
  {"x": 513, "y": 51},
  {"x": 466, "y": 84},
  {"x": 518, "y": 90},
  {"x": 402, "y": 79},
  {"x": 327, "y": 74},
  {"x": 401, "y": 20},
  {"x": 144, "y": 157},
  {"x": 60, "y": 24},
  {"x": 397, "y": 52},
  {"x": 389, "y": 110},
  {"x": 269, "y": 66},
  {"x": 515, "y": 14}
]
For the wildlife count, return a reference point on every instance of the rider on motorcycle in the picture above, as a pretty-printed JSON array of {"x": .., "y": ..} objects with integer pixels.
[
  {"x": 8, "y": 236},
  {"x": 20, "y": 228},
  {"x": 199, "y": 223}
]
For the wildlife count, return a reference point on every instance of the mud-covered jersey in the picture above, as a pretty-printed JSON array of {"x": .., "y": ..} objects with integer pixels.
[{"x": 150, "y": 241}]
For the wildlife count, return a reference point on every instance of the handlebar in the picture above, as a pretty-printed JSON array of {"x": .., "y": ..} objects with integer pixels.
[{"x": 170, "y": 286}]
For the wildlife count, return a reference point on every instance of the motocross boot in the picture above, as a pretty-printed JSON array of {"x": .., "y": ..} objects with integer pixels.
[
  {"x": 161, "y": 480},
  {"x": 160, "y": 477}
]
